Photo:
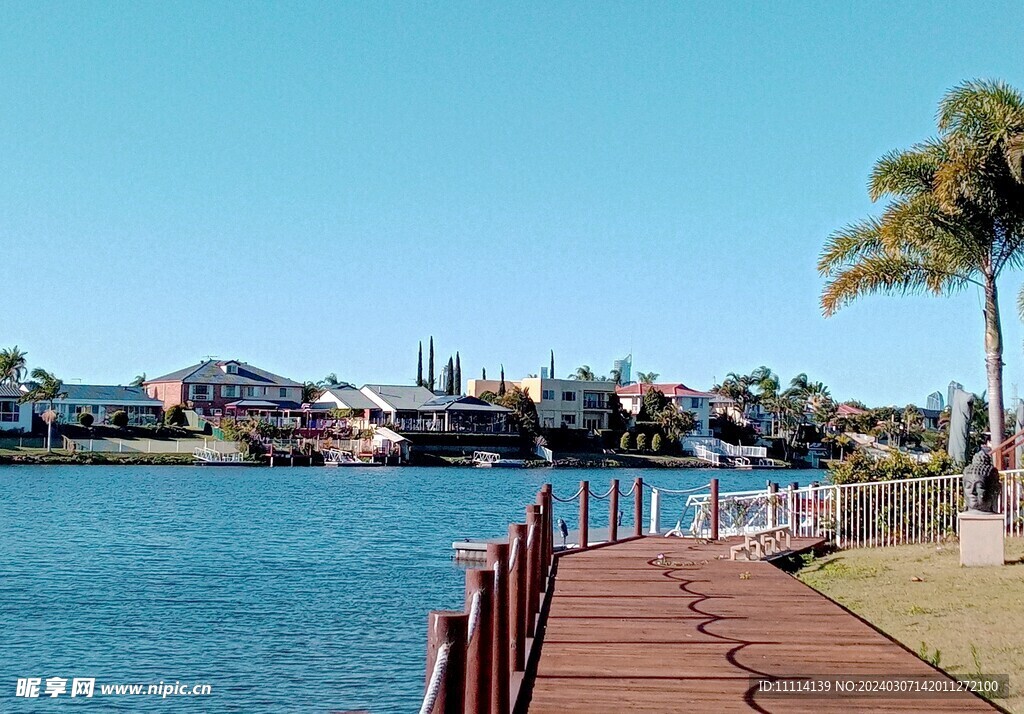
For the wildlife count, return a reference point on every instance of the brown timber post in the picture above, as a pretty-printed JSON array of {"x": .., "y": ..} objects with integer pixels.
[
  {"x": 584, "y": 513},
  {"x": 638, "y": 507},
  {"x": 544, "y": 501},
  {"x": 478, "y": 646},
  {"x": 613, "y": 512},
  {"x": 517, "y": 598},
  {"x": 714, "y": 509},
  {"x": 533, "y": 523},
  {"x": 448, "y": 626},
  {"x": 497, "y": 558}
]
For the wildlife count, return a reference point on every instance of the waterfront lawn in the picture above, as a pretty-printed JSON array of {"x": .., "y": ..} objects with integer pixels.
[{"x": 969, "y": 619}]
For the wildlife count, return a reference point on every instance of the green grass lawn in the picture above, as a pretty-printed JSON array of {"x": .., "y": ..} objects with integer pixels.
[{"x": 970, "y": 620}]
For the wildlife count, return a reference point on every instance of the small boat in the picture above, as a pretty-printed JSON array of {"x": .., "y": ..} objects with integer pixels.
[
  {"x": 492, "y": 460},
  {"x": 212, "y": 457},
  {"x": 337, "y": 457}
]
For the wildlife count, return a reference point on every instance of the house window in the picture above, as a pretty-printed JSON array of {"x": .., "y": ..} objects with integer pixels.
[
  {"x": 569, "y": 419},
  {"x": 548, "y": 394},
  {"x": 569, "y": 397},
  {"x": 9, "y": 411},
  {"x": 232, "y": 369},
  {"x": 252, "y": 391},
  {"x": 199, "y": 392},
  {"x": 694, "y": 402},
  {"x": 229, "y": 391},
  {"x": 283, "y": 392},
  {"x": 592, "y": 424}
]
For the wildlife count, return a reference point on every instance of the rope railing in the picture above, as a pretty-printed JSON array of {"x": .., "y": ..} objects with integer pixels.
[
  {"x": 474, "y": 616},
  {"x": 513, "y": 554},
  {"x": 602, "y": 496},
  {"x": 571, "y": 498},
  {"x": 680, "y": 491},
  {"x": 632, "y": 488},
  {"x": 436, "y": 677}
]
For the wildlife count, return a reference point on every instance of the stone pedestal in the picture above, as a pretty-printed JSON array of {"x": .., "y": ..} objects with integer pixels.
[{"x": 981, "y": 538}]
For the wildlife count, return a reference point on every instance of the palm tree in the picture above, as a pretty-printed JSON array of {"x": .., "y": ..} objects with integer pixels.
[
  {"x": 45, "y": 388},
  {"x": 615, "y": 376},
  {"x": 330, "y": 380},
  {"x": 955, "y": 218},
  {"x": 12, "y": 365},
  {"x": 139, "y": 380},
  {"x": 647, "y": 377},
  {"x": 583, "y": 373}
]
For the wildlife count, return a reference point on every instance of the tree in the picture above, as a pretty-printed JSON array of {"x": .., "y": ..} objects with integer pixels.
[
  {"x": 551, "y": 369},
  {"x": 86, "y": 419},
  {"x": 483, "y": 373},
  {"x": 331, "y": 380},
  {"x": 458, "y": 374},
  {"x": 175, "y": 416},
  {"x": 502, "y": 390},
  {"x": 139, "y": 380},
  {"x": 615, "y": 376},
  {"x": 647, "y": 377},
  {"x": 310, "y": 392},
  {"x": 653, "y": 403},
  {"x": 430, "y": 366},
  {"x": 419, "y": 366},
  {"x": 449, "y": 381},
  {"x": 45, "y": 387},
  {"x": 618, "y": 417},
  {"x": 12, "y": 365},
  {"x": 641, "y": 442},
  {"x": 954, "y": 218},
  {"x": 583, "y": 373},
  {"x": 625, "y": 443},
  {"x": 675, "y": 422},
  {"x": 119, "y": 419},
  {"x": 489, "y": 396},
  {"x": 656, "y": 443},
  {"x": 523, "y": 414}
]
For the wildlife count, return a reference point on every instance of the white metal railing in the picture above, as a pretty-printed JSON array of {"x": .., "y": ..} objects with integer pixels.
[
  {"x": 212, "y": 455},
  {"x": 724, "y": 448},
  {"x": 486, "y": 457},
  {"x": 854, "y": 515}
]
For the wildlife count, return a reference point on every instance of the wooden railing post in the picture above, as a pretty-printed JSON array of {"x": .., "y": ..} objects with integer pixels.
[
  {"x": 613, "y": 511},
  {"x": 584, "y": 513},
  {"x": 448, "y": 626},
  {"x": 497, "y": 561},
  {"x": 544, "y": 500},
  {"x": 533, "y": 522},
  {"x": 478, "y": 646},
  {"x": 517, "y": 597},
  {"x": 773, "y": 504},
  {"x": 714, "y": 509},
  {"x": 638, "y": 507}
]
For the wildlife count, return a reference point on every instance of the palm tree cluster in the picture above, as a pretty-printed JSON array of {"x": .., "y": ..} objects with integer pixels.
[
  {"x": 13, "y": 366},
  {"x": 45, "y": 387},
  {"x": 954, "y": 218}
]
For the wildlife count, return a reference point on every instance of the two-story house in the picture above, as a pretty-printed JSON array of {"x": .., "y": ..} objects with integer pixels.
[
  {"x": 573, "y": 403},
  {"x": 686, "y": 399},
  {"x": 218, "y": 388}
]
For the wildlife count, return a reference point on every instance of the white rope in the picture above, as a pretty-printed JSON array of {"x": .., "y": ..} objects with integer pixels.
[
  {"x": 474, "y": 616},
  {"x": 515, "y": 552},
  {"x": 497, "y": 575},
  {"x": 529, "y": 536},
  {"x": 630, "y": 491},
  {"x": 570, "y": 499},
  {"x": 606, "y": 494},
  {"x": 434, "y": 688},
  {"x": 685, "y": 490}
]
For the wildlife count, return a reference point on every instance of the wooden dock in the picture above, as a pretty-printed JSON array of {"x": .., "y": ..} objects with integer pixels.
[{"x": 624, "y": 634}]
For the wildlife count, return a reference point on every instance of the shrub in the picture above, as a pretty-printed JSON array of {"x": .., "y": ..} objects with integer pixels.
[
  {"x": 656, "y": 443},
  {"x": 864, "y": 468},
  {"x": 641, "y": 442},
  {"x": 119, "y": 419},
  {"x": 175, "y": 416},
  {"x": 626, "y": 442},
  {"x": 86, "y": 419}
]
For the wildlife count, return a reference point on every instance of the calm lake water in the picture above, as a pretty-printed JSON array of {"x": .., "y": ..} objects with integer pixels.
[{"x": 286, "y": 590}]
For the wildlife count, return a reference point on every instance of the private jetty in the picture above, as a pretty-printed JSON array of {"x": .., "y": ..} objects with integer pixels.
[{"x": 698, "y": 617}]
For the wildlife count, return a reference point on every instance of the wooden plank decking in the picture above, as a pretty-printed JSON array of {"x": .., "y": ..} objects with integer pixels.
[{"x": 624, "y": 635}]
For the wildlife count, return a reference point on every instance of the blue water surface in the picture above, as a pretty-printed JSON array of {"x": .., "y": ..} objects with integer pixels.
[{"x": 286, "y": 589}]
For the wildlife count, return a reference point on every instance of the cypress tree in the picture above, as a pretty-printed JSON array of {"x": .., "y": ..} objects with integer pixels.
[
  {"x": 458, "y": 374},
  {"x": 450, "y": 381},
  {"x": 551, "y": 373},
  {"x": 501, "y": 387},
  {"x": 430, "y": 366},
  {"x": 483, "y": 373},
  {"x": 419, "y": 367}
]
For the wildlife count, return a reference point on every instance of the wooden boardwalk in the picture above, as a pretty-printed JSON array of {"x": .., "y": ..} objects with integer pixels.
[{"x": 625, "y": 635}]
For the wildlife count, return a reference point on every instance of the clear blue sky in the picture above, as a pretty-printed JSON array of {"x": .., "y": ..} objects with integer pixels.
[{"x": 315, "y": 187}]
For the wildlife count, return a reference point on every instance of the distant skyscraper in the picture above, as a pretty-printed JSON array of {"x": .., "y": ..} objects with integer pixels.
[
  {"x": 935, "y": 402},
  {"x": 953, "y": 386},
  {"x": 624, "y": 367}
]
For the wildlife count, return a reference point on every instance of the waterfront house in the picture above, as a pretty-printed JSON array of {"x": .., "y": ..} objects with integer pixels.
[
  {"x": 411, "y": 408},
  {"x": 344, "y": 397},
  {"x": 14, "y": 416},
  {"x": 688, "y": 400},
  {"x": 572, "y": 403},
  {"x": 102, "y": 401},
  {"x": 230, "y": 388}
]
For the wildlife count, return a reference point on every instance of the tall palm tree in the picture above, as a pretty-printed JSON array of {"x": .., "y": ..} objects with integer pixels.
[
  {"x": 45, "y": 388},
  {"x": 647, "y": 377},
  {"x": 139, "y": 380},
  {"x": 12, "y": 365},
  {"x": 583, "y": 373},
  {"x": 955, "y": 218}
]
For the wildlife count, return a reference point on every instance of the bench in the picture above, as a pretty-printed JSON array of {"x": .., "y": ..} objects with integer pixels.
[{"x": 758, "y": 545}]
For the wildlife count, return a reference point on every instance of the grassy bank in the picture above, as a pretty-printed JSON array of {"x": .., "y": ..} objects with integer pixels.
[
  {"x": 966, "y": 620},
  {"x": 25, "y": 456}
]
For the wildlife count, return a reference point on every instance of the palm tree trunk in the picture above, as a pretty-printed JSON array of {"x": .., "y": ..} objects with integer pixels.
[{"x": 994, "y": 362}]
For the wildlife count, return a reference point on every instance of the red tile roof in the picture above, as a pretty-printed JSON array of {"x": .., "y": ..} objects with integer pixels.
[
  {"x": 847, "y": 410},
  {"x": 669, "y": 390}
]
